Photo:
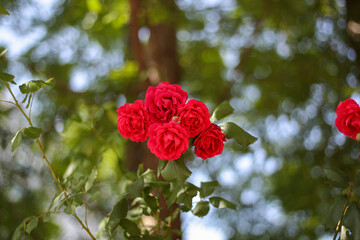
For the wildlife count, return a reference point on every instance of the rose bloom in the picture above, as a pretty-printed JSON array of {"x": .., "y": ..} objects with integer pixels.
[
  {"x": 210, "y": 142},
  {"x": 168, "y": 140},
  {"x": 163, "y": 101},
  {"x": 194, "y": 117},
  {"x": 348, "y": 118},
  {"x": 133, "y": 121}
]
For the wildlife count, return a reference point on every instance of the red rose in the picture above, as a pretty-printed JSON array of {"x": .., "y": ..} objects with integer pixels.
[
  {"x": 348, "y": 118},
  {"x": 194, "y": 117},
  {"x": 133, "y": 121},
  {"x": 210, "y": 142},
  {"x": 168, "y": 140},
  {"x": 164, "y": 101}
]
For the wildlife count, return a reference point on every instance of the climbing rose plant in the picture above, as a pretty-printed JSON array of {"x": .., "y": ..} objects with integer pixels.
[{"x": 169, "y": 122}]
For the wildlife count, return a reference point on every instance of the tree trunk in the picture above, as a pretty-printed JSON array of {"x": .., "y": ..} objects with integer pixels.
[{"x": 158, "y": 61}]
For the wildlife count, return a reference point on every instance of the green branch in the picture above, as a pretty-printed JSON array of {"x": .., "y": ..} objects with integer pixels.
[{"x": 45, "y": 158}]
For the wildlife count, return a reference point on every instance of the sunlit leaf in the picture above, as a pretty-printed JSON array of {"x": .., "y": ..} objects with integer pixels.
[
  {"x": 220, "y": 202},
  {"x": 7, "y": 77},
  {"x": 201, "y": 209},
  {"x": 16, "y": 141},
  {"x": 34, "y": 85},
  {"x": 90, "y": 181},
  {"x": 231, "y": 130},
  {"x": 207, "y": 188},
  {"x": 4, "y": 51},
  {"x": 221, "y": 111},
  {"x": 343, "y": 233},
  {"x": 3, "y": 11}
]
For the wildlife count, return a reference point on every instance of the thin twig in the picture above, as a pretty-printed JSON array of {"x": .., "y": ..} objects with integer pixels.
[
  {"x": 346, "y": 206},
  {"x": 7, "y": 102},
  {"x": 86, "y": 213}
]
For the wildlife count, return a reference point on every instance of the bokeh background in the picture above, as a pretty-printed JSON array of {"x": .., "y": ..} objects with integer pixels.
[{"x": 283, "y": 65}]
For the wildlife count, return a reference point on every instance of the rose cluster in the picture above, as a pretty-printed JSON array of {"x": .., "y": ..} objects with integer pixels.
[
  {"x": 348, "y": 118},
  {"x": 169, "y": 122}
]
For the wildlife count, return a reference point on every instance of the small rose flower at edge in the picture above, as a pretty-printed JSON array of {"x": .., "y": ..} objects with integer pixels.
[{"x": 348, "y": 118}]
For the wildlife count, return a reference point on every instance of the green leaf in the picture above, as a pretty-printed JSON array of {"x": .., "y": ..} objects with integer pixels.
[
  {"x": 72, "y": 205},
  {"x": 55, "y": 200},
  {"x": 185, "y": 199},
  {"x": 4, "y": 51},
  {"x": 176, "y": 170},
  {"x": 46, "y": 217},
  {"x": 33, "y": 132},
  {"x": 140, "y": 169},
  {"x": 219, "y": 202},
  {"x": 16, "y": 141},
  {"x": 151, "y": 202},
  {"x": 161, "y": 165},
  {"x": 136, "y": 189},
  {"x": 336, "y": 177},
  {"x": 94, "y": 196},
  {"x": 148, "y": 175},
  {"x": 3, "y": 11},
  {"x": 119, "y": 211},
  {"x": 202, "y": 208},
  {"x": 34, "y": 85},
  {"x": 207, "y": 188},
  {"x": 130, "y": 227},
  {"x": 231, "y": 130},
  {"x": 18, "y": 231},
  {"x": 221, "y": 111},
  {"x": 90, "y": 181},
  {"x": 7, "y": 78},
  {"x": 31, "y": 225},
  {"x": 172, "y": 193}
]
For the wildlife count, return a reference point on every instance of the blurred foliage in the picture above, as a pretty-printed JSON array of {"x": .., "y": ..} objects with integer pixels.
[{"x": 283, "y": 66}]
